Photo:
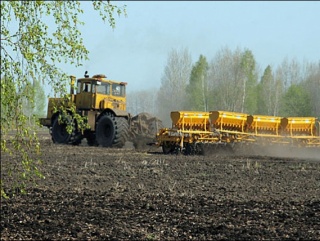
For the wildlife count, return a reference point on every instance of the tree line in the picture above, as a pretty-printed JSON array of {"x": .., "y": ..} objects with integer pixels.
[{"x": 232, "y": 81}]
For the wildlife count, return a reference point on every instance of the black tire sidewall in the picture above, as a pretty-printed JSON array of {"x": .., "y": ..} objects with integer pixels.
[
  {"x": 57, "y": 130},
  {"x": 106, "y": 131}
]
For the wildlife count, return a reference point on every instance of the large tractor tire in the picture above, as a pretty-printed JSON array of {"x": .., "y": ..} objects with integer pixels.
[
  {"x": 60, "y": 134},
  {"x": 112, "y": 131},
  {"x": 122, "y": 133}
]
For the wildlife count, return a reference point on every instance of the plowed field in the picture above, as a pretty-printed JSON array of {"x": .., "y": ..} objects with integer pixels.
[{"x": 93, "y": 193}]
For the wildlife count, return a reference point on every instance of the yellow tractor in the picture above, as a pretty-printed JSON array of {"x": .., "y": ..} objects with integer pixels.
[{"x": 103, "y": 103}]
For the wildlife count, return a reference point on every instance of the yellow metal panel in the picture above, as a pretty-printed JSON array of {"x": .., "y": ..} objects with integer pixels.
[
  {"x": 262, "y": 124},
  {"x": 57, "y": 102},
  {"x": 225, "y": 120},
  {"x": 91, "y": 115},
  {"x": 299, "y": 125},
  {"x": 190, "y": 120},
  {"x": 103, "y": 102}
]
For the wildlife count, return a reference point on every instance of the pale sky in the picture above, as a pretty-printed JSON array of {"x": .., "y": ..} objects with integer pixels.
[{"x": 136, "y": 50}]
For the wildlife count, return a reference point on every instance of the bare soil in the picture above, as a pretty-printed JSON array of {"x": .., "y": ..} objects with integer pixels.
[{"x": 94, "y": 193}]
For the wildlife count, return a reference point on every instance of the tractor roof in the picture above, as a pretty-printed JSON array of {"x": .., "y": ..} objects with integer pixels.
[{"x": 102, "y": 78}]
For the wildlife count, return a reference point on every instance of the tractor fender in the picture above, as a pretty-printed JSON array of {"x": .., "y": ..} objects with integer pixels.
[{"x": 115, "y": 112}]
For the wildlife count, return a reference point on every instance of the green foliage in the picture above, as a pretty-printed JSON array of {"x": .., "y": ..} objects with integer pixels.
[
  {"x": 68, "y": 115},
  {"x": 265, "y": 89},
  {"x": 312, "y": 86},
  {"x": 232, "y": 81},
  {"x": 40, "y": 100},
  {"x": 30, "y": 52},
  {"x": 35, "y": 104},
  {"x": 197, "y": 89},
  {"x": 248, "y": 67},
  {"x": 296, "y": 102}
]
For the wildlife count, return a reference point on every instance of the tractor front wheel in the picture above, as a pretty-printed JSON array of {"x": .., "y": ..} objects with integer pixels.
[{"x": 59, "y": 133}]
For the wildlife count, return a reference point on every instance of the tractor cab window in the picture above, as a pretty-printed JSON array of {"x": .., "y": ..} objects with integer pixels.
[
  {"x": 104, "y": 88},
  {"x": 86, "y": 87},
  {"x": 118, "y": 90},
  {"x": 78, "y": 87},
  {"x": 83, "y": 87}
]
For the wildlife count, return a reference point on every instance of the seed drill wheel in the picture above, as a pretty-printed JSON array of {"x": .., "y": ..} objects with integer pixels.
[
  {"x": 190, "y": 149},
  {"x": 112, "y": 131},
  {"x": 200, "y": 149}
]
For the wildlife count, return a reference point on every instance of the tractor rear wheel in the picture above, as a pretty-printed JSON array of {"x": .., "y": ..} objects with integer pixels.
[
  {"x": 122, "y": 132},
  {"x": 112, "y": 131}
]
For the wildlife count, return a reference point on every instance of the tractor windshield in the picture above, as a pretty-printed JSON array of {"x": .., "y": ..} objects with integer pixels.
[
  {"x": 118, "y": 90},
  {"x": 104, "y": 88}
]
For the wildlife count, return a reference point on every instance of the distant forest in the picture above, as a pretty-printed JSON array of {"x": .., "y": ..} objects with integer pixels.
[{"x": 231, "y": 81}]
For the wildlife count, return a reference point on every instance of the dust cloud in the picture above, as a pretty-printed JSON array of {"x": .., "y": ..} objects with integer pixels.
[{"x": 282, "y": 151}]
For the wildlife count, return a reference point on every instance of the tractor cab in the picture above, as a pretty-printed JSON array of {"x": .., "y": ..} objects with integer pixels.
[{"x": 96, "y": 92}]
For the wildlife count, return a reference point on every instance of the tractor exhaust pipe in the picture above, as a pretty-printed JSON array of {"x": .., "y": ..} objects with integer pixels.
[{"x": 73, "y": 80}]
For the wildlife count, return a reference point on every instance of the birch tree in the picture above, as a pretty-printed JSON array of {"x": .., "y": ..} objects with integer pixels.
[
  {"x": 30, "y": 52},
  {"x": 172, "y": 92},
  {"x": 227, "y": 77}
]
